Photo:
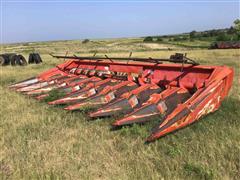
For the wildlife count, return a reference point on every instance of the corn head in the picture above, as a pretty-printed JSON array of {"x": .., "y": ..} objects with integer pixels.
[{"x": 174, "y": 92}]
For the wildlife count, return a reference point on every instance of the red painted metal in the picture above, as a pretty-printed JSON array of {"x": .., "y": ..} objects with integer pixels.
[{"x": 174, "y": 94}]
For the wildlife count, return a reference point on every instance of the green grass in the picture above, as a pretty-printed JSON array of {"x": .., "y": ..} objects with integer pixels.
[
  {"x": 54, "y": 95},
  {"x": 191, "y": 44},
  {"x": 39, "y": 141}
]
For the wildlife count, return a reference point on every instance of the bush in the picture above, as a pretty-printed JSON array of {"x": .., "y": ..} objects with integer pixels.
[
  {"x": 222, "y": 37},
  {"x": 148, "y": 39},
  {"x": 159, "y": 39},
  {"x": 177, "y": 39},
  {"x": 213, "y": 33},
  {"x": 192, "y": 34},
  {"x": 231, "y": 30},
  {"x": 85, "y": 41},
  {"x": 205, "y": 34},
  {"x": 238, "y": 37}
]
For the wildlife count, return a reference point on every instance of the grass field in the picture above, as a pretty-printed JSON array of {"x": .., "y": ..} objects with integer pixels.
[{"x": 43, "y": 142}]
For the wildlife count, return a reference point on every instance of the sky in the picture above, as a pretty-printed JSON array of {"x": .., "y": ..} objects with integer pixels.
[{"x": 42, "y": 20}]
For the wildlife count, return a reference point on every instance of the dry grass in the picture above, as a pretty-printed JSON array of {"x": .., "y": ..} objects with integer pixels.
[
  {"x": 43, "y": 142},
  {"x": 99, "y": 46}
]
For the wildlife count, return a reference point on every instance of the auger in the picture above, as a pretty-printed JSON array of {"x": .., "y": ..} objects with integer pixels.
[{"x": 137, "y": 90}]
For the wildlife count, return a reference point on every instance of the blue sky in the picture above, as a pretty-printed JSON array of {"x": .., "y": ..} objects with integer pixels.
[{"x": 25, "y": 21}]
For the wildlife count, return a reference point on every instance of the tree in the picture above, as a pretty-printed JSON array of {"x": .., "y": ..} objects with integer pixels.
[
  {"x": 237, "y": 26},
  {"x": 176, "y": 38},
  {"x": 205, "y": 34},
  {"x": 148, "y": 39},
  {"x": 85, "y": 41},
  {"x": 159, "y": 39},
  {"x": 213, "y": 33},
  {"x": 222, "y": 37},
  {"x": 184, "y": 38},
  {"x": 192, "y": 34},
  {"x": 231, "y": 30}
]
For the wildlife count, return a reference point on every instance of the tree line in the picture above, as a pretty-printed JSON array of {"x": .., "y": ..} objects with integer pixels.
[{"x": 228, "y": 34}]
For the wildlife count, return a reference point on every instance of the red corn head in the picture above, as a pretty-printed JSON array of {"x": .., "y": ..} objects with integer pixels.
[{"x": 142, "y": 90}]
